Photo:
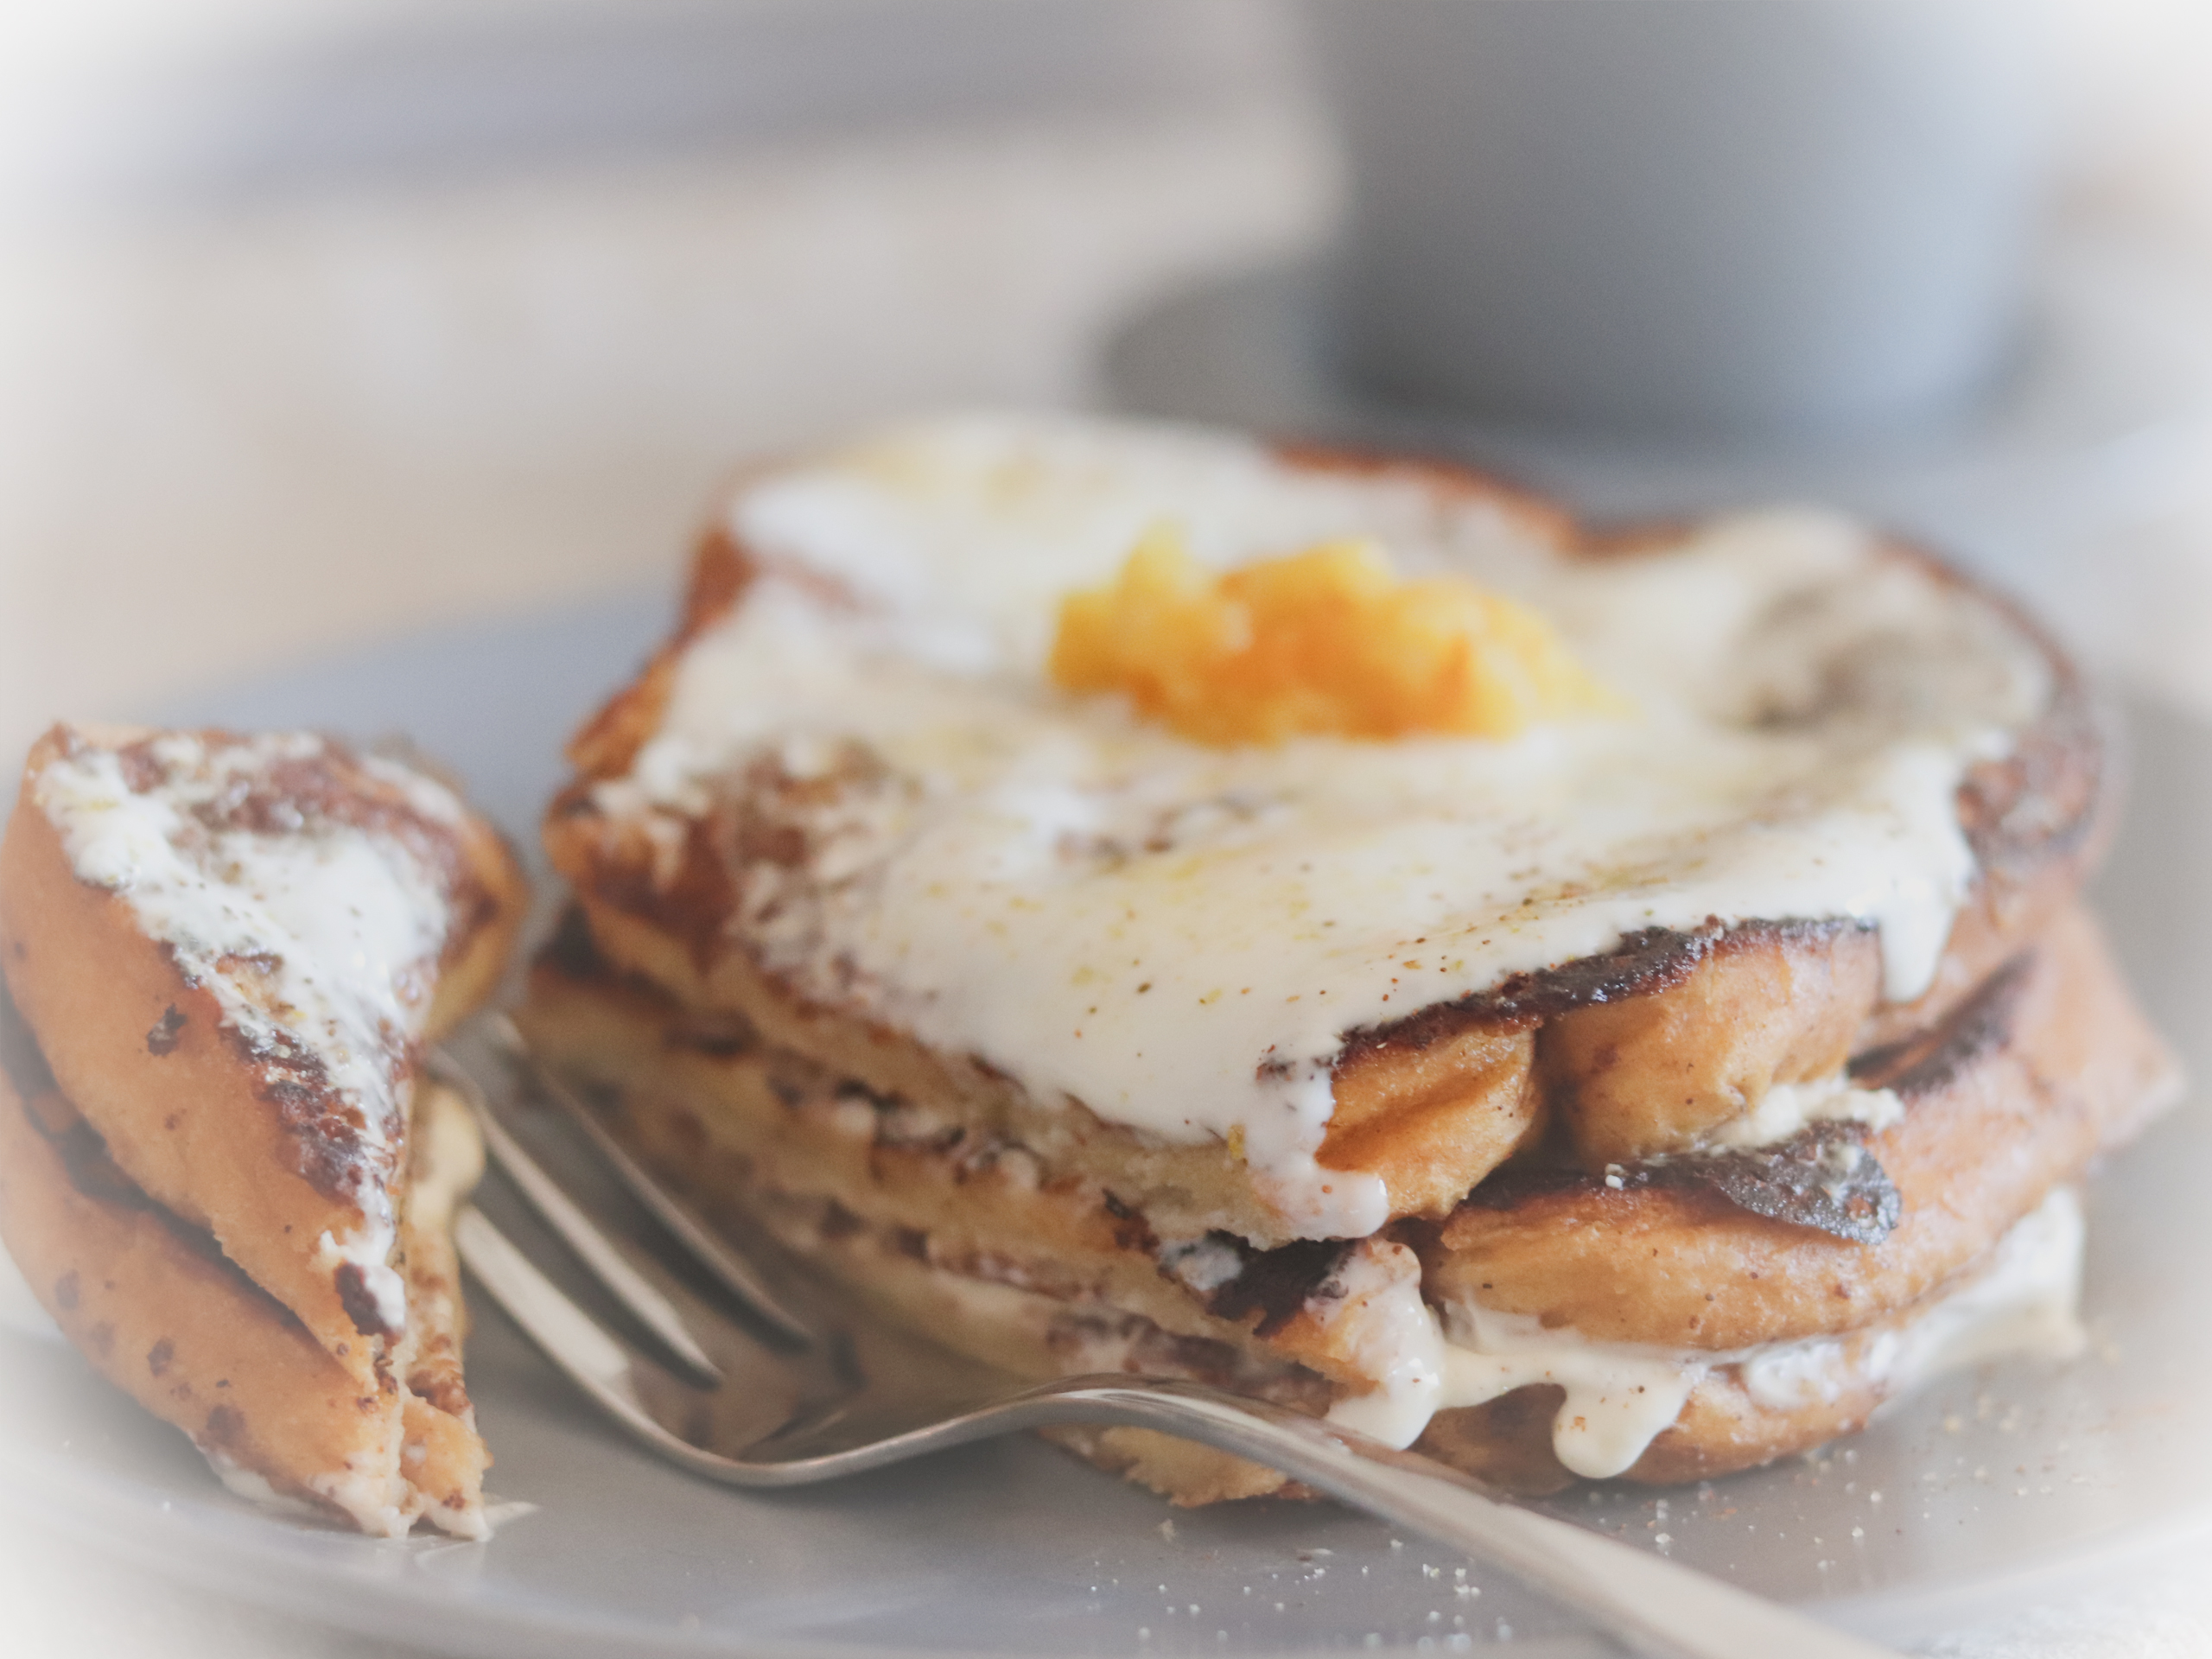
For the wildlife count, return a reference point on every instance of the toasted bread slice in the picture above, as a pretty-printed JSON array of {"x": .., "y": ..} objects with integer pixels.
[
  {"x": 1645, "y": 1046},
  {"x": 1007, "y": 1249},
  {"x": 166, "y": 1316},
  {"x": 230, "y": 952},
  {"x": 2012, "y": 1095}
]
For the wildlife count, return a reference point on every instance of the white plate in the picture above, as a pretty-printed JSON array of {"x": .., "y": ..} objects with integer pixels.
[{"x": 1993, "y": 1490}]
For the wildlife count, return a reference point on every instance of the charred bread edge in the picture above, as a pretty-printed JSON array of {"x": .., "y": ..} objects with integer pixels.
[
  {"x": 2020, "y": 1091},
  {"x": 1984, "y": 1075}
]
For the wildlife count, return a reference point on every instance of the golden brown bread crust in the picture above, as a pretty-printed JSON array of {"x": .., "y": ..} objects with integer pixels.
[
  {"x": 164, "y": 1315},
  {"x": 1640, "y": 1051},
  {"x": 185, "y": 1110},
  {"x": 178, "y": 1328},
  {"x": 1423, "y": 1115},
  {"x": 1636, "y": 1076},
  {"x": 2013, "y": 1095}
]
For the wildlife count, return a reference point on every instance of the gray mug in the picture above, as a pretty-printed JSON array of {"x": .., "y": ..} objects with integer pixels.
[{"x": 1727, "y": 216}]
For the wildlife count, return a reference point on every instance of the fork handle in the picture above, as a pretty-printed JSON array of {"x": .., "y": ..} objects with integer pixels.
[{"x": 1652, "y": 1603}]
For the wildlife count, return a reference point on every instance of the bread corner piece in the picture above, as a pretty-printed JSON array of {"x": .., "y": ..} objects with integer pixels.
[{"x": 220, "y": 1171}]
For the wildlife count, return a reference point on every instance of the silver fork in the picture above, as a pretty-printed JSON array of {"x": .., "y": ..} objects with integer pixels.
[{"x": 803, "y": 1385}]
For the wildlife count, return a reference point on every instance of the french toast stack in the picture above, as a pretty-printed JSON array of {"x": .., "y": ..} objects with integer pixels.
[
  {"x": 220, "y": 1171},
  {"x": 1648, "y": 1089}
]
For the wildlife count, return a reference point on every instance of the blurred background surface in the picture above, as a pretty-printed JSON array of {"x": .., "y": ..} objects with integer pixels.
[
  {"x": 331, "y": 318},
  {"x": 323, "y": 321}
]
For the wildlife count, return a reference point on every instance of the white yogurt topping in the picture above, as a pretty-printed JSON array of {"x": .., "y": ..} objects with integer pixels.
[
  {"x": 1620, "y": 1395},
  {"x": 1787, "y": 1108},
  {"x": 316, "y": 938},
  {"x": 1180, "y": 936}
]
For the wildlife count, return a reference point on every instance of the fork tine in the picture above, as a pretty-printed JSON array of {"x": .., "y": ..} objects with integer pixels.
[
  {"x": 638, "y": 1294},
  {"x": 591, "y": 1358},
  {"x": 729, "y": 1269}
]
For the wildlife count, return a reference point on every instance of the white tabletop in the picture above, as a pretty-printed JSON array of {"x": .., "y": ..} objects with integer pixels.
[{"x": 246, "y": 420}]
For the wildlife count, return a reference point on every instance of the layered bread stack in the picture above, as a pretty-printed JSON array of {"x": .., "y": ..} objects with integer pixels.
[
  {"x": 220, "y": 1169},
  {"x": 1129, "y": 897}
]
